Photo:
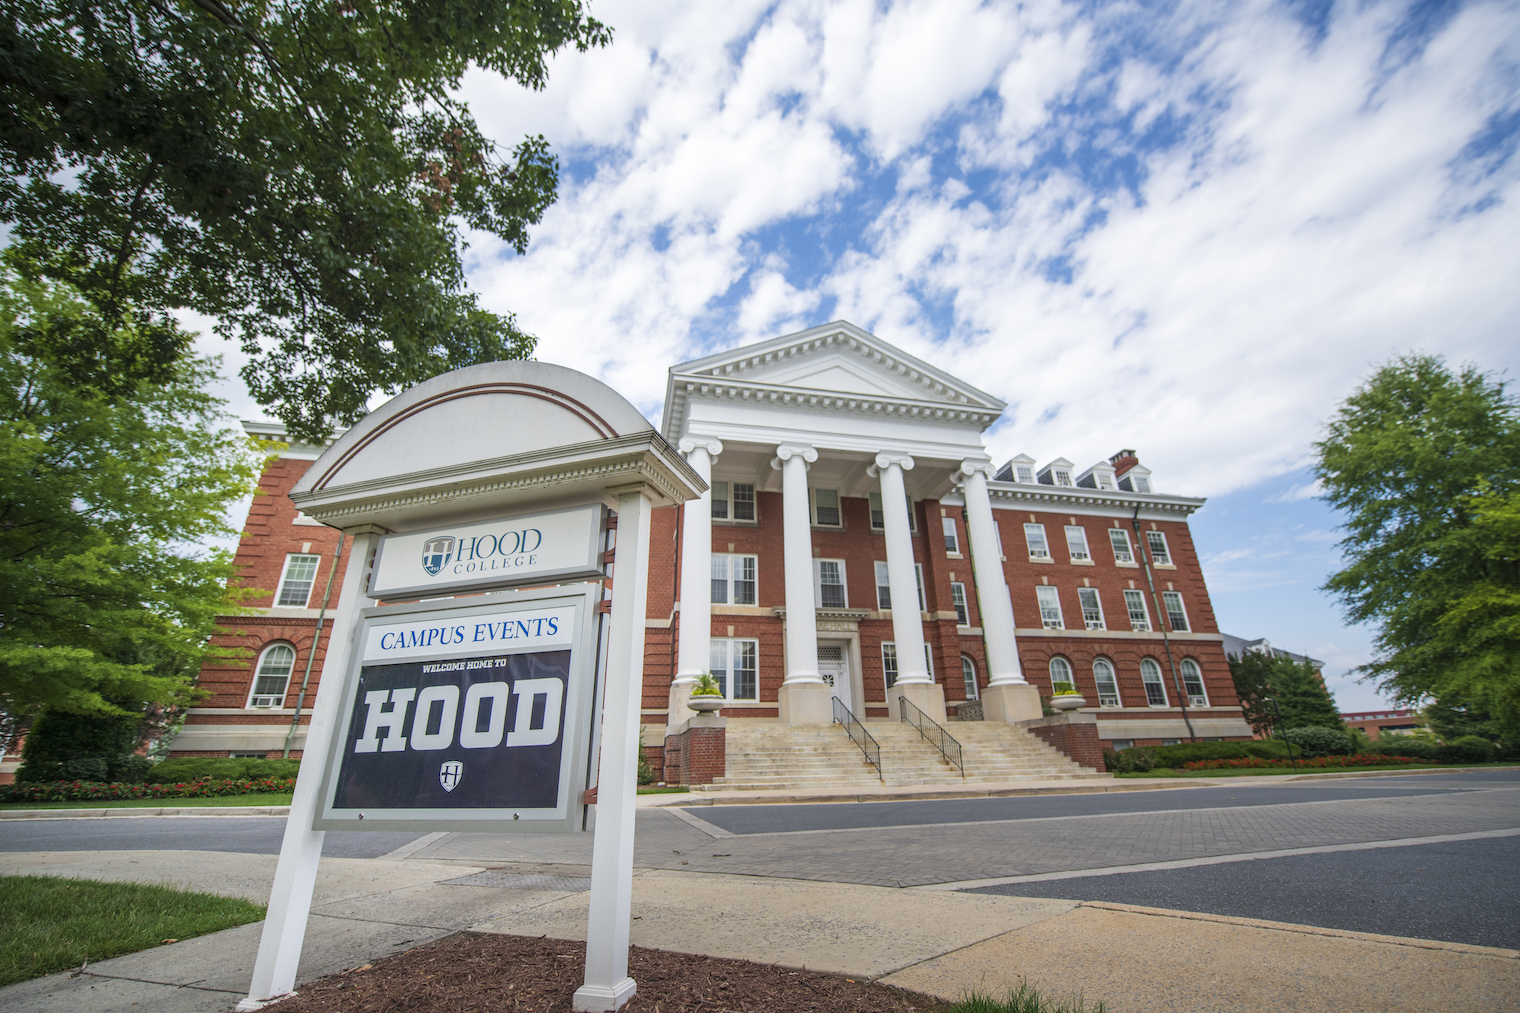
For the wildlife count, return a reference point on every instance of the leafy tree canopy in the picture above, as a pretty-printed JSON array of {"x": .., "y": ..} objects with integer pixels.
[
  {"x": 1425, "y": 463},
  {"x": 298, "y": 171},
  {"x": 1301, "y": 694},
  {"x": 105, "y": 483}
]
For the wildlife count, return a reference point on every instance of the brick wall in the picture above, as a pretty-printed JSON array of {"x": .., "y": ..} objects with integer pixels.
[
  {"x": 1075, "y": 736},
  {"x": 698, "y": 754}
]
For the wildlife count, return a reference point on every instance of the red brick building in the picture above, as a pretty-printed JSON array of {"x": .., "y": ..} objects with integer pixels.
[{"x": 810, "y": 442}]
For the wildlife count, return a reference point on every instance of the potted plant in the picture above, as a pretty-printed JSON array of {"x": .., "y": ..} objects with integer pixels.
[
  {"x": 1066, "y": 697},
  {"x": 706, "y": 694}
]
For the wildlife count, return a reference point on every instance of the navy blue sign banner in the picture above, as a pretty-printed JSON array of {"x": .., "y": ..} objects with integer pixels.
[
  {"x": 466, "y": 717},
  {"x": 460, "y": 734}
]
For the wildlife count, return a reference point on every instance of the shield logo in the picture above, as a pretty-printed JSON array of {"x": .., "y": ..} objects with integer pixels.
[
  {"x": 449, "y": 774},
  {"x": 437, "y": 553}
]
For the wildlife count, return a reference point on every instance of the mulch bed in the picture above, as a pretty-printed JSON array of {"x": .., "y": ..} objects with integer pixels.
[{"x": 477, "y": 972}]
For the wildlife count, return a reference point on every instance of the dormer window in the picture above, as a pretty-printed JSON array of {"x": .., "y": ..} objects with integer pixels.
[
  {"x": 1105, "y": 480},
  {"x": 1142, "y": 484},
  {"x": 1063, "y": 476},
  {"x": 1025, "y": 474},
  {"x": 1057, "y": 472}
]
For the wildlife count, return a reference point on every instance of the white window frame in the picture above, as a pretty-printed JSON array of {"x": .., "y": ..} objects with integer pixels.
[
  {"x": 874, "y": 505},
  {"x": 1062, "y": 476},
  {"x": 883, "y": 586},
  {"x": 889, "y": 670},
  {"x": 1175, "y": 607},
  {"x": 997, "y": 530},
  {"x": 918, "y": 576},
  {"x": 269, "y": 699},
  {"x": 1131, "y": 596},
  {"x": 1111, "y": 697},
  {"x": 1024, "y": 474},
  {"x": 815, "y": 508},
  {"x": 731, "y": 580},
  {"x": 958, "y": 599},
  {"x": 730, "y": 648},
  {"x": 1162, "y": 558},
  {"x": 844, "y": 587},
  {"x": 1049, "y": 598},
  {"x": 1076, "y": 543},
  {"x": 1150, "y": 677},
  {"x": 1125, "y": 556},
  {"x": 731, "y": 503},
  {"x": 952, "y": 536},
  {"x": 1033, "y": 532},
  {"x": 289, "y": 583},
  {"x": 1083, "y": 594},
  {"x": 1069, "y": 677},
  {"x": 1118, "y": 744},
  {"x": 1192, "y": 678},
  {"x": 968, "y": 676}
]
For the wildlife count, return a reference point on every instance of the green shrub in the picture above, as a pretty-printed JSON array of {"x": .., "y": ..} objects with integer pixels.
[
  {"x": 1406, "y": 745},
  {"x": 190, "y": 769},
  {"x": 1128, "y": 761},
  {"x": 86, "y": 791},
  {"x": 1192, "y": 752},
  {"x": 646, "y": 772},
  {"x": 1468, "y": 749},
  {"x": 62, "y": 746},
  {"x": 1314, "y": 741}
]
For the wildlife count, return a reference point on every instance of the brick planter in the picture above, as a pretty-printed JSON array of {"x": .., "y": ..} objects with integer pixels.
[
  {"x": 697, "y": 752},
  {"x": 1074, "y": 734}
]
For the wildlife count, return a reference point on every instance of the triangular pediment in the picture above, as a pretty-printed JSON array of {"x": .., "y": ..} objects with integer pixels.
[{"x": 840, "y": 358}]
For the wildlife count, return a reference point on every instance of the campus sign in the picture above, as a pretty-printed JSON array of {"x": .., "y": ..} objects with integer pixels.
[
  {"x": 538, "y": 548},
  {"x": 473, "y": 718}
]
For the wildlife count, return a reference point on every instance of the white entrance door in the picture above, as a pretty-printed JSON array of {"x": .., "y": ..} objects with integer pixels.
[{"x": 834, "y": 666}]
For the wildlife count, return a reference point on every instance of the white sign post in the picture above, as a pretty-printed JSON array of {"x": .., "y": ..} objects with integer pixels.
[{"x": 488, "y": 478}]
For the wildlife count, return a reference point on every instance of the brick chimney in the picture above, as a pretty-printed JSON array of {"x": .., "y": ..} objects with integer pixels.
[{"x": 1123, "y": 461}]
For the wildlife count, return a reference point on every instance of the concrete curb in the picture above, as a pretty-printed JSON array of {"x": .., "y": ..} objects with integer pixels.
[
  {"x": 126, "y": 812},
  {"x": 911, "y": 794},
  {"x": 1308, "y": 930}
]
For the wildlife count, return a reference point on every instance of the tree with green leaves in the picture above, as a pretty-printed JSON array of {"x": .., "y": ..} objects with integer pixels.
[
  {"x": 300, "y": 171},
  {"x": 107, "y": 484},
  {"x": 1425, "y": 464},
  {"x": 1297, "y": 686}
]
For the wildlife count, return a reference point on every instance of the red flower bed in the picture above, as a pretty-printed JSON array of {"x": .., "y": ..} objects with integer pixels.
[
  {"x": 1318, "y": 761},
  {"x": 77, "y": 791}
]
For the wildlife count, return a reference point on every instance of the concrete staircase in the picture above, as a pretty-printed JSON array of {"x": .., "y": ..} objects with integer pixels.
[{"x": 765, "y": 756}]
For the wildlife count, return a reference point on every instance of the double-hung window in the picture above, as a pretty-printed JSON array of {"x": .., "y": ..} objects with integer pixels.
[
  {"x": 1119, "y": 539},
  {"x": 1060, "y": 673},
  {"x": 918, "y": 576},
  {"x": 883, "y": 587},
  {"x": 968, "y": 676},
  {"x": 826, "y": 508},
  {"x": 1176, "y": 613},
  {"x": 1092, "y": 608},
  {"x": 1050, "y": 607},
  {"x": 1156, "y": 542},
  {"x": 295, "y": 583},
  {"x": 879, "y": 516},
  {"x": 1108, "y": 686},
  {"x": 1034, "y": 537},
  {"x": 1155, "y": 689},
  {"x": 828, "y": 583},
  {"x": 958, "y": 597},
  {"x": 272, "y": 676},
  {"x": 889, "y": 663},
  {"x": 1076, "y": 543},
  {"x": 952, "y": 539},
  {"x": 733, "y": 579},
  {"x": 1192, "y": 681},
  {"x": 735, "y": 667},
  {"x": 1139, "y": 617},
  {"x": 1061, "y": 476},
  {"x": 733, "y": 501}
]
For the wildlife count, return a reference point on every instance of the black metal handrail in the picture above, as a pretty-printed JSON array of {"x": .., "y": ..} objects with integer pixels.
[
  {"x": 939, "y": 738},
  {"x": 858, "y": 734}
]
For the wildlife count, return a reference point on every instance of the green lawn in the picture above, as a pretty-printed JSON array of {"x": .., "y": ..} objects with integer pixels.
[
  {"x": 265, "y": 798},
  {"x": 661, "y": 789},
  {"x": 48, "y": 924},
  {"x": 1255, "y": 771}
]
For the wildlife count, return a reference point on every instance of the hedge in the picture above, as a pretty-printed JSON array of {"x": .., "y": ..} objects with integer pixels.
[
  {"x": 1312, "y": 762},
  {"x": 219, "y": 768},
  {"x": 87, "y": 791},
  {"x": 1186, "y": 752}
]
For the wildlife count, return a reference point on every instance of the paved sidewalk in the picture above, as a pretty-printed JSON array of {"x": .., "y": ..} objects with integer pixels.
[{"x": 1134, "y": 959}]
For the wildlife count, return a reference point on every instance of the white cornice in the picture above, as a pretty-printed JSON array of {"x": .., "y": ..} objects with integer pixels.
[{"x": 1016, "y": 494}]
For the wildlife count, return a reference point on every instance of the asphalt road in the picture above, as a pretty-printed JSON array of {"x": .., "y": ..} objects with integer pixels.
[
  {"x": 253, "y": 835},
  {"x": 770, "y": 819},
  {"x": 1460, "y": 892}
]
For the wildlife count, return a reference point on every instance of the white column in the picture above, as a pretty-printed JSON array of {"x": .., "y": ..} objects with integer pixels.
[
  {"x": 804, "y": 698},
  {"x": 295, "y": 876},
  {"x": 694, "y": 648},
  {"x": 907, "y": 622},
  {"x": 607, "y": 985},
  {"x": 991, "y": 585}
]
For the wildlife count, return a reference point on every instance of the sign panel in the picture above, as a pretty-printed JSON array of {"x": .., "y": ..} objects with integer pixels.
[
  {"x": 509, "y": 552},
  {"x": 466, "y": 718}
]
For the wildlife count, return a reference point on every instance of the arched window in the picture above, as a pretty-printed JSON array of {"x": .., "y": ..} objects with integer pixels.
[
  {"x": 1155, "y": 689},
  {"x": 1108, "y": 685},
  {"x": 1192, "y": 681},
  {"x": 272, "y": 676},
  {"x": 968, "y": 673},
  {"x": 1060, "y": 671}
]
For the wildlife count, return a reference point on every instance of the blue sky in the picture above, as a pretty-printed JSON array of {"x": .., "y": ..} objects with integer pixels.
[{"x": 1189, "y": 228}]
